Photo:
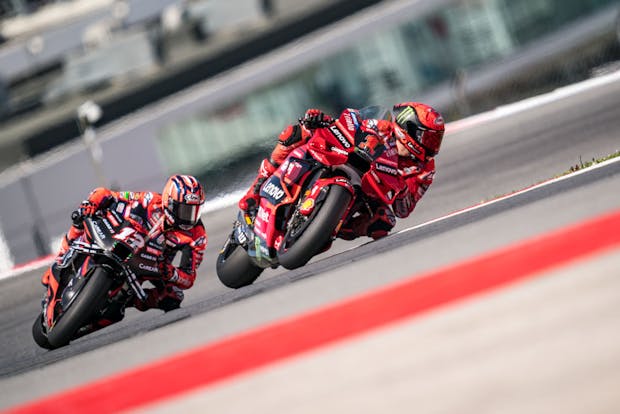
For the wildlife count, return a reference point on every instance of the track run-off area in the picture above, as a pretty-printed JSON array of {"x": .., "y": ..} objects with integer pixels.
[{"x": 507, "y": 306}]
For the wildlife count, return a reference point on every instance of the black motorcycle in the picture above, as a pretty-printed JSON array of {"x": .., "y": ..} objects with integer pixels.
[{"x": 101, "y": 273}]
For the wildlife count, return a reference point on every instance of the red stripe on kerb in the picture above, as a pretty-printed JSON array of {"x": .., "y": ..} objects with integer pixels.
[{"x": 242, "y": 353}]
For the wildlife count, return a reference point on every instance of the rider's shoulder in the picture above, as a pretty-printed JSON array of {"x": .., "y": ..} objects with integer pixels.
[
  {"x": 196, "y": 236},
  {"x": 199, "y": 229}
]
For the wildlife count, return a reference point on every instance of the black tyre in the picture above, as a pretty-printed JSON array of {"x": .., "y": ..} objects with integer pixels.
[
  {"x": 38, "y": 333},
  {"x": 234, "y": 267},
  {"x": 87, "y": 302},
  {"x": 307, "y": 236}
]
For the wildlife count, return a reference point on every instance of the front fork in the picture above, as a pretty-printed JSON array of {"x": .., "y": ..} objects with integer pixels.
[
  {"x": 51, "y": 280},
  {"x": 318, "y": 192}
]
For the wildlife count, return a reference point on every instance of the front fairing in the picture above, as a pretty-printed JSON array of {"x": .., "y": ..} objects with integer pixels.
[
  {"x": 284, "y": 185},
  {"x": 110, "y": 242},
  {"x": 76, "y": 282},
  {"x": 280, "y": 193},
  {"x": 256, "y": 247}
]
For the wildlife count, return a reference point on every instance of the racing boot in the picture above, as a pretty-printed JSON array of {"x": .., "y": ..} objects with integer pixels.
[
  {"x": 375, "y": 226},
  {"x": 92, "y": 327},
  {"x": 250, "y": 200},
  {"x": 354, "y": 227},
  {"x": 166, "y": 298},
  {"x": 114, "y": 313}
]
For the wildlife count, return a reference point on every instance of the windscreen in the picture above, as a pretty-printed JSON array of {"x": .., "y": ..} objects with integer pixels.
[{"x": 376, "y": 112}]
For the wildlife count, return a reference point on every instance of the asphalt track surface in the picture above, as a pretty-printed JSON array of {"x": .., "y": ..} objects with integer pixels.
[{"x": 483, "y": 336}]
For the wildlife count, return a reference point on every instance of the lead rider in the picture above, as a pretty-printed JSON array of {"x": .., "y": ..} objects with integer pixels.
[{"x": 409, "y": 137}]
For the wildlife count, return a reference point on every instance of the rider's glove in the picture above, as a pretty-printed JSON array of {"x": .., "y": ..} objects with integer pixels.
[
  {"x": 403, "y": 204},
  {"x": 249, "y": 202},
  {"x": 168, "y": 272},
  {"x": 77, "y": 219},
  {"x": 87, "y": 209},
  {"x": 315, "y": 118}
]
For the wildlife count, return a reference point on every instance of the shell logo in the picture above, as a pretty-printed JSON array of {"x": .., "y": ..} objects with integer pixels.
[{"x": 307, "y": 205}]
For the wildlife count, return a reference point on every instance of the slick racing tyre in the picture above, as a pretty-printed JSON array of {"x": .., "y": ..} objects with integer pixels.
[
  {"x": 235, "y": 268},
  {"x": 89, "y": 300},
  {"x": 38, "y": 333},
  {"x": 306, "y": 236}
]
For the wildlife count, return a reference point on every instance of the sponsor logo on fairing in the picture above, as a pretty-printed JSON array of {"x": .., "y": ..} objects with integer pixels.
[
  {"x": 148, "y": 268},
  {"x": 112, "y": 219},
  {"x": 343, "y": 140},
  {"x": 264, "y": 250},
  {"x": 147, "y": 199},
  {"x": 307, "y": 204},
  {"x": 263, "y": 214},
  {"x": 153, "y": 250},
  {"x": 108, "y": 225},
  {"x": 120, "y": 207},
  {"x": 351, "y": 123},
  {"x": 241, "y": 237},
  {"x": 148, "y": 257},
  {"x": 274, "y": 191},
  {"x": 99, "y": 232},
  {"x": 338, "y": 150}
]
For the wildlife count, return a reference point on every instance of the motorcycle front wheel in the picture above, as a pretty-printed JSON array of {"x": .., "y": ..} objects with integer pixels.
[
  {"x": 38, "y": 333},
  {"x": 307, "y": 236},
  {"x": 234, "y": 267},
  {"x": 88, "y": 301}
]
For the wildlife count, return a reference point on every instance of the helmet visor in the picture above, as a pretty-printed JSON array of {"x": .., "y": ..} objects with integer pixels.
[
  {"x": 185, "y": 214},
  {"x": 428, "y": 138}
]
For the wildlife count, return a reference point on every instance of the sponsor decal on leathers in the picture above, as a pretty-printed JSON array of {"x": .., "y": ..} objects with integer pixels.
[{"x": 386, "y": 169}]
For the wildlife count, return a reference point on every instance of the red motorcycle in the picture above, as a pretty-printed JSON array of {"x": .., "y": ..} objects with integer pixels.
[{"x": 309, "y": 197}]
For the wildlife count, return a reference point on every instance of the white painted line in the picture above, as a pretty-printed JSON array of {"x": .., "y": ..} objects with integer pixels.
[
  {"x": 533, "y": 102},
  {"x": 507, "y": 196},
  {"x": 27, "y": 267}
]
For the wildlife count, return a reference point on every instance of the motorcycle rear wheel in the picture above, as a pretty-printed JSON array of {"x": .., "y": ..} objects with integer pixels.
[
  {"x": 301, "y": 243},
  {"x": 88, "y": 301},
  {"x": 235, "y": 268}
]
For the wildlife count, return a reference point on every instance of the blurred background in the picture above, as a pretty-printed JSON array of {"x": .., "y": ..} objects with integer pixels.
[{"x": 123, "y": 93}]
